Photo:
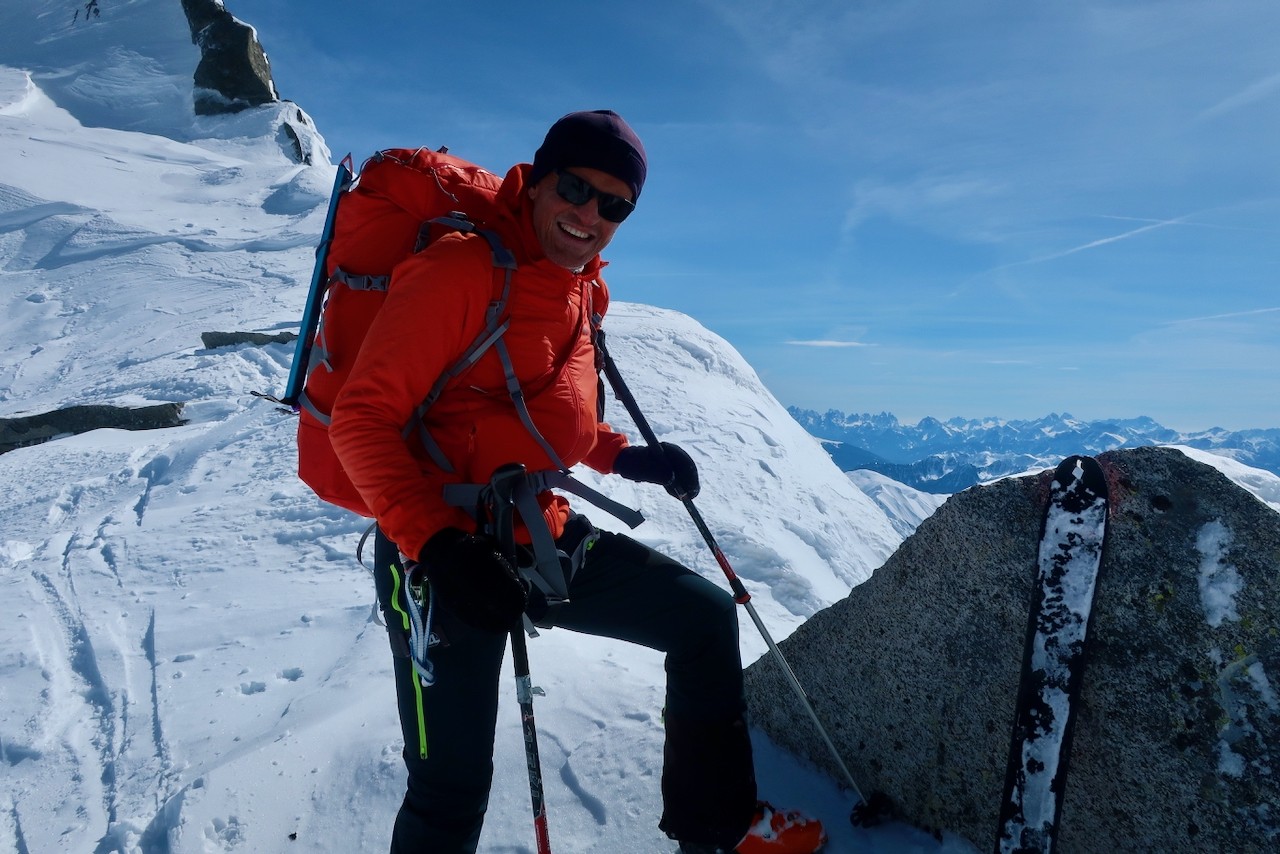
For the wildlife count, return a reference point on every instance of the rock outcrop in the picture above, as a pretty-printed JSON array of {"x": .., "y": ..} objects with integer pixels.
[
  {"x": 234, "y": 72},
  {"x": 28, "y": 430},
  {"x": 1177, "y": 739},
  {"x": 214, "y": 340}
]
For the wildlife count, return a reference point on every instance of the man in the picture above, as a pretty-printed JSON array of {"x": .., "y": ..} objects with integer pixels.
[{"x": 556, "y": 215}]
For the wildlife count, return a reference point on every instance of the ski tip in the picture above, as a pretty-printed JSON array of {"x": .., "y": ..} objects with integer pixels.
[{"x": 1086, "y": 470}]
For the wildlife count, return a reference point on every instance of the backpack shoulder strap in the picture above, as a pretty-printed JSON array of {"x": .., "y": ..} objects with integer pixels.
[
  {"x": 504, "y": 264},
  {"x": 491, "y": 336}
]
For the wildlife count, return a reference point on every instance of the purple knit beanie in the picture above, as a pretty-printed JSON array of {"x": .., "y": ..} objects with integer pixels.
[{"x": 598, "y": 139}]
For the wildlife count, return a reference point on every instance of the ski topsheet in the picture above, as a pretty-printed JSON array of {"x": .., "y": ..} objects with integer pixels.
[{"x": 1070, "y": 556}]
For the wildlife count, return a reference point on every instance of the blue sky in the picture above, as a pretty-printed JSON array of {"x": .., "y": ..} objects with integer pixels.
[{"x": 977, "y": 209}]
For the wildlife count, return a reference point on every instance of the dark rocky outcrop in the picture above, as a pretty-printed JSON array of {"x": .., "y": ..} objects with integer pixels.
[
  {"x": 295, "y": 144},
  {"x": 213, "y": 340},
  {"x": 1177, "y": 740},
  {"x": 234, "y": 72},
  {"x": 34, "y": 429}
]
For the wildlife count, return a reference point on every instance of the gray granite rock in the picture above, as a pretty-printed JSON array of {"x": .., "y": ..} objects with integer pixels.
[{"x": 1177, "y": 740}]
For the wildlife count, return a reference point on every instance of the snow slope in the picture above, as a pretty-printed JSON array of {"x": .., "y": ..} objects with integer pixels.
[
  {"x": 1262, "y": 484},
  {"x": 192, "y": 661},
  {"x": 905, "y": 506}
]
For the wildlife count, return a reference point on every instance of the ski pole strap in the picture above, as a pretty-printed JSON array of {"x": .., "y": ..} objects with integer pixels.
[{"x": 549, "y": 575}]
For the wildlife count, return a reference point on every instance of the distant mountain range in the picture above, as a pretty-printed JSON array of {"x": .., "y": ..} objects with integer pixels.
[{"x": 948, "y": 456}]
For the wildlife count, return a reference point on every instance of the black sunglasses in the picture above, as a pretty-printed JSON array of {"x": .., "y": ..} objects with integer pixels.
[{"x": 577, "y": 191}]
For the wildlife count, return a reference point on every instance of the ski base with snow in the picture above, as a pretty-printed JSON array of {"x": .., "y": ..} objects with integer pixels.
[{"x": 1069, "y": 561}]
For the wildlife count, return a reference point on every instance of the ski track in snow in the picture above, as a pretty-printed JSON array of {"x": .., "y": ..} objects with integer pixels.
[
  {"x": 113, "y": 657},
  {"x": 105, "y": 702}
]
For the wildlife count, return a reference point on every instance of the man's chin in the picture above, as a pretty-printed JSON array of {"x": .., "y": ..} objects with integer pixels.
[{"x": 570, "y": 258}]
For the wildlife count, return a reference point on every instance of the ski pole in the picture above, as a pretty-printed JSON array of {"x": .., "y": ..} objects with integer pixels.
[
  {"x": 502, "y": 485},
  {"x": 740, "y": 593}
]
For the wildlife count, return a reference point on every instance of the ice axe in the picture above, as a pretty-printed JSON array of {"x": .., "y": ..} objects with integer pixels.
[
  {"x": 501, "y": 494},
  {"x": 868, "y": 811}
]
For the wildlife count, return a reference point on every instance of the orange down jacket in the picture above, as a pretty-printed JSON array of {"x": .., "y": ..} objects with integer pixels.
[{"x": 435, "y": 308}]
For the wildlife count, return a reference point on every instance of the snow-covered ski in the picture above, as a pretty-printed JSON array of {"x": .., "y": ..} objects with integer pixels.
[{"x": 1070, "y": 556}]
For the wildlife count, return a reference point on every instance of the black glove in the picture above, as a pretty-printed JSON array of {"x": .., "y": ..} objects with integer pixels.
[
  {"x": 474, "y": 580},
  {"x": 665, "y": 464}
]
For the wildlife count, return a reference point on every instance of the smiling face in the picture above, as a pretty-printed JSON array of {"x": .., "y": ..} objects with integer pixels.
[{"x": 571, "y": 235}]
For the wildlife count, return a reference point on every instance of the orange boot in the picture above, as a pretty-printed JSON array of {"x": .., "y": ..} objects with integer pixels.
[
  {"x": 777, "y": 831},
  {"x": 772, "y": 831}
]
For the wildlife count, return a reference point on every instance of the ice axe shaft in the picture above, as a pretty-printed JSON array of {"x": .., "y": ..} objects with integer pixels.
[
  {"x": 740, "y": 594},
  {"x": 502, "y": 487}
]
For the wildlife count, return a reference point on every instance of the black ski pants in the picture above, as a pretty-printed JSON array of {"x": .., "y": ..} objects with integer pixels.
[{"x": 623, "y": 590}]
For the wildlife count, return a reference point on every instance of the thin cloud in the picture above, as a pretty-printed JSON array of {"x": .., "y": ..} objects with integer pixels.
[
  {"x": 905, "y": 201},
  {"x": 1094, "y": 244},
  {"x": 1228, "y": 316},
  {"x": 825, "y": 342},
  {"x": 1185, "y": 221},
  {"x": 1254, "y": 92}
]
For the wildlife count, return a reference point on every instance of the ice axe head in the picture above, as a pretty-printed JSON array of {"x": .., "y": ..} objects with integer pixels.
[
  {"x": 504, "y": 479},
  {"x": 499, "y": 500}
]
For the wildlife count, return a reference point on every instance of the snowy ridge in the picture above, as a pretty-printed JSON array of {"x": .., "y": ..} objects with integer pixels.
[
  {"x": 778, "y": 481},
  {"x": 129, "y": 68},
  {"x": 167, "y": 240}
]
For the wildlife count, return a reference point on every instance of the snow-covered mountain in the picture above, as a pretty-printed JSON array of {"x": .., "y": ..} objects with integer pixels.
[
  {"x": 191, "y": 660},
  {"x": 948, "y": 456}
]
